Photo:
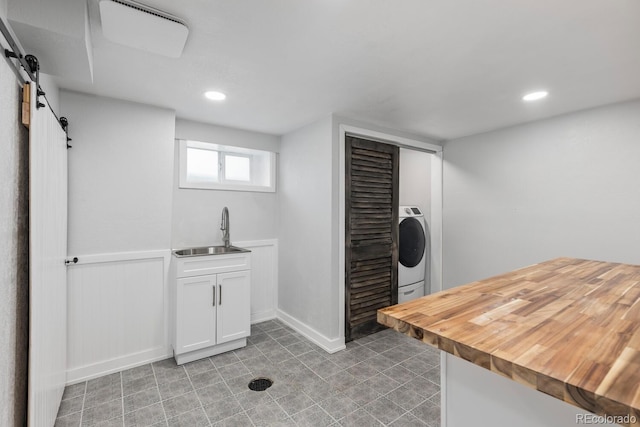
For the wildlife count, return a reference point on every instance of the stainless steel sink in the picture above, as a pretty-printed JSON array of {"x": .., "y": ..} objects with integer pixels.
[{"x": 208, "y": 250}]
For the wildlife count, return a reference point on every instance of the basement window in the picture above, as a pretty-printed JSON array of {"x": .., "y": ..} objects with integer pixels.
[{"x": 222, "y": 167}]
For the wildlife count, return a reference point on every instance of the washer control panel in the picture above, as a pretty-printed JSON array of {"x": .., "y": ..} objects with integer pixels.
[{"x": 406, "y": 211}]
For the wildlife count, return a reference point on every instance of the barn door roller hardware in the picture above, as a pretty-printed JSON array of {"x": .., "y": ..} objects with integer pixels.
[
  {"x": 65, "y": 127},
  {"x": 34, "y": 67},
  {"x": 29, "y": 63}
]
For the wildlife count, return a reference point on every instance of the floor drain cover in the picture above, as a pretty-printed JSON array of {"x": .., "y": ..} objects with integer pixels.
[{"x": 260, "y": 384}]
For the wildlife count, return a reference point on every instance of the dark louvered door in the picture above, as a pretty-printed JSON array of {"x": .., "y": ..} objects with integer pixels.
[{"x": 371, "y": 233}]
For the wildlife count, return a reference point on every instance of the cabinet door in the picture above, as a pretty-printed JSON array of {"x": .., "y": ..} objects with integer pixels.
[
  {"x": 195, "y": 313},
  {"x": 234, "y": 306}
]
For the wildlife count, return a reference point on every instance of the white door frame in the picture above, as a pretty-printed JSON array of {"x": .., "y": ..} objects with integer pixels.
[{"x": 436, "y": 206}]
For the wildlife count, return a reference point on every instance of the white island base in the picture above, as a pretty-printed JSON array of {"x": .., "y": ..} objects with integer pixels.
[{"x": 476, "y": 397}]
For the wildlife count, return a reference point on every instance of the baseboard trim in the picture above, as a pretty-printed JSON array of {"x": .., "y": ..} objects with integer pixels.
[
  {"x": 118, "y": 364},
  {"x": 327, "y": 344}
]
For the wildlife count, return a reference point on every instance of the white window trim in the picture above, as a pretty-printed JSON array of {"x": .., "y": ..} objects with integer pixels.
[{"x": 224, "y": 185}]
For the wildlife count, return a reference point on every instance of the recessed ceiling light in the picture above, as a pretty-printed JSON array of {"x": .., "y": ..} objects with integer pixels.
[
  {"x": 215, "y": 96},
  {"x": 534, "y": 96}
]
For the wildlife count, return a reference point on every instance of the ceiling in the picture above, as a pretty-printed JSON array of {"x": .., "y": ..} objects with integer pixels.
[{"x": 438, "y": 68}]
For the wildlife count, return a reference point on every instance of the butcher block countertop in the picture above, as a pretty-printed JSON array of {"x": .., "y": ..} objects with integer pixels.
[{"x": 568, "y": 327}]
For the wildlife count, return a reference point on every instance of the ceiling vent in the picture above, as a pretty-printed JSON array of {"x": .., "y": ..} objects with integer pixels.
[{"x": 141, "y": 27}]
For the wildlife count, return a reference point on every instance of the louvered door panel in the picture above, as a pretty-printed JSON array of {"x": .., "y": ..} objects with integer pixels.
[{"x": 371, "y": 233}]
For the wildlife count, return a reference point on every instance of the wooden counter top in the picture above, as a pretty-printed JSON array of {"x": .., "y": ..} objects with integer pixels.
[{"x": 567, "y": 327}]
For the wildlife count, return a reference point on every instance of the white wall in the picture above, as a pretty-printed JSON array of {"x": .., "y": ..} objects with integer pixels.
[
  {"x": 120, "y": 174},
  {"x": 311, "y": 246},
  {"x": 187, "y": 129},
  {"x": 561, "y": 187},
  {"x": 122, "y": 197},
  {"x": 414, "y": 188},
  {"x": 120, "y": 203},
  {"x": 567, "y": 186},
  {"x": 414, "y": 180},
  {"x": 14, "y": 253},
  {"x": 480, "y": 398},
  {"x": 306, "y": 286},
  {"x": 197, "y": 213}
]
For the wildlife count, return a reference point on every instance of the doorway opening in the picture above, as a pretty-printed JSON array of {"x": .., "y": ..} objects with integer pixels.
[
  {"x": 422, "y": 190},
  {"x": 371, "y": 233},
  {"x": 414, "y": 224}
]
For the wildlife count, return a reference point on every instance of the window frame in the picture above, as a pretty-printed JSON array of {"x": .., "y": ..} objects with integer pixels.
[{"x": 224, "y": 184}]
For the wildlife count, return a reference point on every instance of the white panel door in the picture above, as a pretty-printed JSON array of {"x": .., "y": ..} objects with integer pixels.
[
  {"x": 196, "y": 313},
  {"x": 47, "y": 270},
  {"x": 234, "y": 306}
]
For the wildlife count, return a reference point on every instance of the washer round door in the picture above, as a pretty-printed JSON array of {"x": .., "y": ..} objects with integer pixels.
[{"x": 411, "y": 242}]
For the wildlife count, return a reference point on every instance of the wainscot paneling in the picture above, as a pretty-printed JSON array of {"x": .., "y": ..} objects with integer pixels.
[
  {"x": 118, "y": 307},
  {"x": 264, "y": 278},
  {"x": 117, "y": 312}
]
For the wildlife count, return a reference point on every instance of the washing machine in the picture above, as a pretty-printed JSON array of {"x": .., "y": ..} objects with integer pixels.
[{"x": 412, "y": 253}]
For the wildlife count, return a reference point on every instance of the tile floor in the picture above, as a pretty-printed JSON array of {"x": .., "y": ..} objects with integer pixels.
[{"x": 383, "y": 379}]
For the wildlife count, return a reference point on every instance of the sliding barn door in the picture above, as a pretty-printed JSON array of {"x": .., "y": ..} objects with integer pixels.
[
  {"x": 371, "y": 233},
  {"x": 47, "y": 270}
]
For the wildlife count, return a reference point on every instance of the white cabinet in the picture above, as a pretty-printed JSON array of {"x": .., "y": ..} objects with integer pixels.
[
  {"x": 233, "y": 316},
  {"x": 212, "y": 312}
]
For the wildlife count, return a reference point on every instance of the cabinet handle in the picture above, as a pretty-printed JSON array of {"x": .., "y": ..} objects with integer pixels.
[
  {"x": 220, "y": 296},
  {"x": 214, "y": 295},
  {"x": 410, "y": 292}
]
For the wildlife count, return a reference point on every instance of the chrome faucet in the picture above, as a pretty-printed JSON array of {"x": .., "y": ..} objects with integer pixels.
[{"x": 225, "y": 227}]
